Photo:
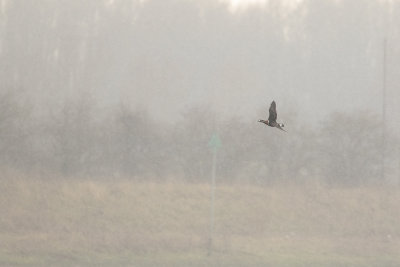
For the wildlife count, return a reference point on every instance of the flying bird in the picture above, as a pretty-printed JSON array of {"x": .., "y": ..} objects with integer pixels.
[{"x": 272, "y": 118}]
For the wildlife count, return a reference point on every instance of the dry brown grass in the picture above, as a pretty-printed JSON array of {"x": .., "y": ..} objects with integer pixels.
[{"x": 122, "y": 222}]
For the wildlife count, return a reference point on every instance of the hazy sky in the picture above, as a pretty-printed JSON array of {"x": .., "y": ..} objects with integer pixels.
[
  {"x": 234, "y": 56},
  {"x": 242, "y": 5},
  {"x": 333, "y": 78}
]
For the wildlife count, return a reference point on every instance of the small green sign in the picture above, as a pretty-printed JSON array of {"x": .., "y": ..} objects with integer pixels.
[{"x": 215, "y": 142}]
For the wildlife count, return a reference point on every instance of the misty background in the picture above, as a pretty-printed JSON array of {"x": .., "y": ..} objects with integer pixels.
[
  {"x": 108, "y": 109},
  {"x": 137, "y": 88}
]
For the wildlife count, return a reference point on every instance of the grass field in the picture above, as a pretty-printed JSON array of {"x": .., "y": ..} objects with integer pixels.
[{"x": 61, "y": 222}]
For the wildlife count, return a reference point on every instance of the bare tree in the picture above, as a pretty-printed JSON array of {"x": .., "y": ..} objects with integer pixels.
[
  {"x": 14, "y": 130},
  {"x": 351, "y": 149}
]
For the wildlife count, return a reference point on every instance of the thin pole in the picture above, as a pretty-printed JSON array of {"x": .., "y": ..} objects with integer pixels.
[
  {"x": 384, "y": 111},
  {"x": 210, "y": 241}
]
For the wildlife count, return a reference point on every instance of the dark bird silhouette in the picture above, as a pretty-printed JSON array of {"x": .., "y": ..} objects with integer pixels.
[{"x": 272, "y": 118}]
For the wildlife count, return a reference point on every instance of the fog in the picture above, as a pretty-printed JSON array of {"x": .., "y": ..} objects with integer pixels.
[{"x": 107, "y": 109}]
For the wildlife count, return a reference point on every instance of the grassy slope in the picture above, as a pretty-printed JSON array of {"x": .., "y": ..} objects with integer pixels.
[{"x": 123, "y": 223}]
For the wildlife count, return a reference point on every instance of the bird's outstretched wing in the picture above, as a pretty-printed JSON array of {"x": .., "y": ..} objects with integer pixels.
[
  {"x": 272, "y": 112},
  {"x": 279, "y": 127}
]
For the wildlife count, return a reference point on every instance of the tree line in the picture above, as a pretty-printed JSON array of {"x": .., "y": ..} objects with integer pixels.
[{"x": 79, "y": 140}]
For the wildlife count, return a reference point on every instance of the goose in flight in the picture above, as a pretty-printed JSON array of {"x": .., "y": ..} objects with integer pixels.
[{"x": 272, "y": 118}]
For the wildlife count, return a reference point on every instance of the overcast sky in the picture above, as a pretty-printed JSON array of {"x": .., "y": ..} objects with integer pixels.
[{"x": 313, "y": 57}]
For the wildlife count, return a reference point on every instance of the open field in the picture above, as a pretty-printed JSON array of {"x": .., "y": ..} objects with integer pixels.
[{"x": 124, "y": 223}]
